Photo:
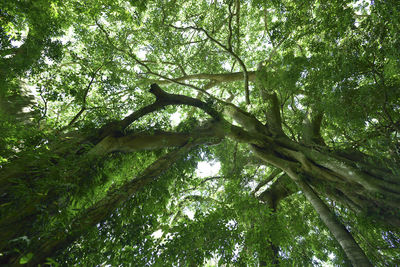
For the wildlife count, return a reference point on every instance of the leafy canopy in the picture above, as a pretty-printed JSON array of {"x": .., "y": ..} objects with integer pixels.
[{"x": 79, "y": 65}]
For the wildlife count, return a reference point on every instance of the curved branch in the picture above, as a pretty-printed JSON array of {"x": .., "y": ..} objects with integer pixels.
[
  {"x": 163, "y": 99},
  {"x": 218, "y": 77},
  {"x": 270, "y": 177},
  {"x": 280, "y": 189}
]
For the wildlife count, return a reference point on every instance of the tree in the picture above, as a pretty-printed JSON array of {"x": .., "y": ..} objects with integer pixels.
[{"x": 289, "y": 97}]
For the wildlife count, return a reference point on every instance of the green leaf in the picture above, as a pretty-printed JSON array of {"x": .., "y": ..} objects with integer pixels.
[{"x": 26, "y": 258}]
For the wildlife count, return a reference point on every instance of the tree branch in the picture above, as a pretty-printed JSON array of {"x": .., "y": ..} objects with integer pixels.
[
  {"x": 237, "y": 13},
  {"x": 145, "y": 141},
  {"x": 83, "y": 108},
  {"x": 274, "y": 173},
  {"x": 312, "y": 129},
  {"x": 218, "y": 78},
  {"x": 342, "y": 235},
  {"x": 280, "y": 189},
  {"x": 273, "y": 112},
  {"x": 230, "y": 25},
  {"x": 230, "y": 51}
]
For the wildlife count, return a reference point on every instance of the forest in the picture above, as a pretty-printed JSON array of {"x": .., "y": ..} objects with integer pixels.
[{"x": 200, "y": 133}]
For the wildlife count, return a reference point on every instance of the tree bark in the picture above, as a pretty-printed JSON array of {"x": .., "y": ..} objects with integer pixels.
[
  {"x": 219, "y": 77},
  {"x": 298, "y": 169},
  {"x": 358, "y": 183},
  {"x": 345, "y": 239}
]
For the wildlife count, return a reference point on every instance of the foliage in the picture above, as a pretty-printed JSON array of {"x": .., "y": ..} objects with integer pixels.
[{"x": 71, "y": 70}]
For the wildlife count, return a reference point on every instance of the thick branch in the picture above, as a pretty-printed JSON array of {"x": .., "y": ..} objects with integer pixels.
[
  {"x": 163, "y": 99},
  {"x": 312, "y": 129},
  {"x": 219, "y": 77},
  {"x": 272, "y": 113},
  {"x": 143, "y": 141},
  {"x": 175, "y": 99},
  {"x": 270, "y": 177},
  {"x": 248, "y": 121},
  {"x": 282, "y": 188},
  {"x": 272, "y": 104}
]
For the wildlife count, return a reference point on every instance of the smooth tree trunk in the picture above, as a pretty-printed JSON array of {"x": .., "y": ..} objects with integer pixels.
[{"x": 352, "y": 250}]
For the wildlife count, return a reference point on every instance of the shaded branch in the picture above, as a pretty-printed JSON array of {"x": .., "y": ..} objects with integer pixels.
[
  {"x": 274, "y": 173},
  {"x": 273, "y": 113},
  {"x": 280, "y": 189},
  {"x": 247, "y": 120},
  {"x": 217, "y": 78},
  {"x": 312, "y": 129}
]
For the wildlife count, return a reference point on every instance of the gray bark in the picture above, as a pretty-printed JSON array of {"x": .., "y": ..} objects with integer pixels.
[{"x": 345, "y": 239}]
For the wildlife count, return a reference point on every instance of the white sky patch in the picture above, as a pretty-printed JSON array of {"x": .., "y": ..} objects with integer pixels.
[
  {"x": 362, "y": 7},
  {"x": 68, "y": 37},
  {"x": 253, "y": 185},
  {"x": 226, "y": 66},
  {"x": 16, "y": 43},
  {"x": 176, "y": 118},
  {"x": 141, "y": 54},
  {"x": 157, "y": 234},
  {"x": 297, "y": 102},
  {"x": 206, "y": 169},
  {"x": 188, "y": 212}
]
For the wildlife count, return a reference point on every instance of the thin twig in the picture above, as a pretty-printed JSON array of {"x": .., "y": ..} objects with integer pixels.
[
  {"x": 83, "y": 108},
  {"x": 227, "y": 49}
]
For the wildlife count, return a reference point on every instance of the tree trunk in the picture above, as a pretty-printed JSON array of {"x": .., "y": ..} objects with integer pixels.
[
  {"x": 345, "y": 239},
  {"x": 296, "y": 164},
  {"x": 356, "y": 184}
]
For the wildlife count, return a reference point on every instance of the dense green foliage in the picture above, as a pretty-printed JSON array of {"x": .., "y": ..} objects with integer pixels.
[{"x": 71, "y": 71}]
